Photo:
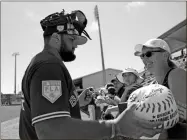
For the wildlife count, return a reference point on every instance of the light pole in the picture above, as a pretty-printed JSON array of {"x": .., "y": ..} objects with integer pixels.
[
  {"x": 96, "y": 12},
  {"x": 15, "y": 54}
]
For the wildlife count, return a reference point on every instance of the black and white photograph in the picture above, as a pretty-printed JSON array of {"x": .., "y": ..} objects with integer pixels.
[{"x": 93, "y": 70}]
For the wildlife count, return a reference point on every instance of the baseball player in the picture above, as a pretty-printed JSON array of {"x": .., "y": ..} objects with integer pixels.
[{"x": 51, "y": 107}]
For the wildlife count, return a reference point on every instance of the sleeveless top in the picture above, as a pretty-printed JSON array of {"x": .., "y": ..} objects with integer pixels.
[{"x": 179, "y": 130}]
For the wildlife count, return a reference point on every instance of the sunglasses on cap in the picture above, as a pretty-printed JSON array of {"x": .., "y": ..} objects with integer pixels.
[
  {"x": 73, "y": 23},
  {"x": 149, "y": 53}
]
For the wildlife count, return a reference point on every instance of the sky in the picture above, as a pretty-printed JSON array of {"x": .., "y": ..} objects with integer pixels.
[{"x": 123, "y": 25}]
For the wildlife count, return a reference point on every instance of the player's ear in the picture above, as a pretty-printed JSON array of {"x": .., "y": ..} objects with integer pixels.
[
  {"x": 56, "y": 39},
  {"x": 166, "y": 55}
]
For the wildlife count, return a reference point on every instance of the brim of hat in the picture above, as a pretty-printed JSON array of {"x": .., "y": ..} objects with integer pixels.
[
  {"x": 120, "y": 76},
  {"x": 80, "y": 40},
  {"x": 137, "y": 53},
  {"x": 138, "y": 49},
  {"x": 111, "y": 88},
  {"x": 113, "y": 80},
  {"x": 126, "y": 71}
]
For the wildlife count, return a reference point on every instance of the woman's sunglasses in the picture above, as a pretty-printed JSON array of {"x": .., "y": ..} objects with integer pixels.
[{"x": 149, "y": 53}]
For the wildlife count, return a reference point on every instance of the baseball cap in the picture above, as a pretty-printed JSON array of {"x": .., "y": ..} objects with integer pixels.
[
  {"x": 108, "y": 85},
  {"x": 152, "y": 43},
  {"x": 113, "y": 80},
  {"x": 127, "y": 70},
  {"x": 72, "y": 24}
]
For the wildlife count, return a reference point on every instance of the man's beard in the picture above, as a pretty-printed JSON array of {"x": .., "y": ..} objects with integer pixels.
[{"x": 67, "y": 56}]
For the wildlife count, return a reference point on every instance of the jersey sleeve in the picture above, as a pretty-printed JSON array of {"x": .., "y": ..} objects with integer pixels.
[{"x": 49, "y": 93}]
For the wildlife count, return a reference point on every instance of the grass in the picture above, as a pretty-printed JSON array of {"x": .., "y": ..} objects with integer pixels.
[
  {"x": 10, "y": 121},
  {"x": 9, "y": 112}
]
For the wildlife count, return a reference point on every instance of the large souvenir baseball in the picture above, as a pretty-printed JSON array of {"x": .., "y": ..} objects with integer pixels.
[{"x": 156, "y": 103}]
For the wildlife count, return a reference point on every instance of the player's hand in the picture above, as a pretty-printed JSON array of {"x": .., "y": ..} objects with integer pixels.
[
  {"x": 85, "y": 97},
  {"x": 132, "y": 126}
]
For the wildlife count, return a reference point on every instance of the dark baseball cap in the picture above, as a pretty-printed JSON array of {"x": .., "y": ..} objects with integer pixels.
[
  {"x": 109, "y": 85},
  {"x": 113, "y": 80},
  {"x": 72, "y": 24}
]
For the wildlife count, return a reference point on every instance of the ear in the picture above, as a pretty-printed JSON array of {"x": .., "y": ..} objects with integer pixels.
[
  {"x": 166, "y": 54},
  {"x": 56, "y": 38}
]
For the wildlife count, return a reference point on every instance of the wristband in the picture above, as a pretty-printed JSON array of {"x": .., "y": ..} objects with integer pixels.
[
  {"x": 113, "y": 127},
  {"x": 113, "y": 131}
]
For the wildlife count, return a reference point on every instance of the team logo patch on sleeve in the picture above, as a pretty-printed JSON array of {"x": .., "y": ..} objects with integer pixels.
[
  {"x": 74, "y": 98},
  {"x": 51, "y": 90}
]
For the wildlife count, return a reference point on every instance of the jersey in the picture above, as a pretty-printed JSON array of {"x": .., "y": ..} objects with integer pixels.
[{"x": 48, "y": 92}]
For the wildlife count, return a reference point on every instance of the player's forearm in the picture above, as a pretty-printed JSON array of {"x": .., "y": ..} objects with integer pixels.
[
  {"x": 69, "y": 128},
  {"x": 78, "y": 129}
]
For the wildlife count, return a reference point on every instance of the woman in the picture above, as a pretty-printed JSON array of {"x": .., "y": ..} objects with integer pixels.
[
  {"x": 132, "y": 81},
  {"x": 155, "y": 54}
]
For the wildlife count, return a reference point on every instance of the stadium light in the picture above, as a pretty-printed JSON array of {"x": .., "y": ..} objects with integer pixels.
[
  {"x": 96, "y": 13},
  {"x": 15, "y": 54}
]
